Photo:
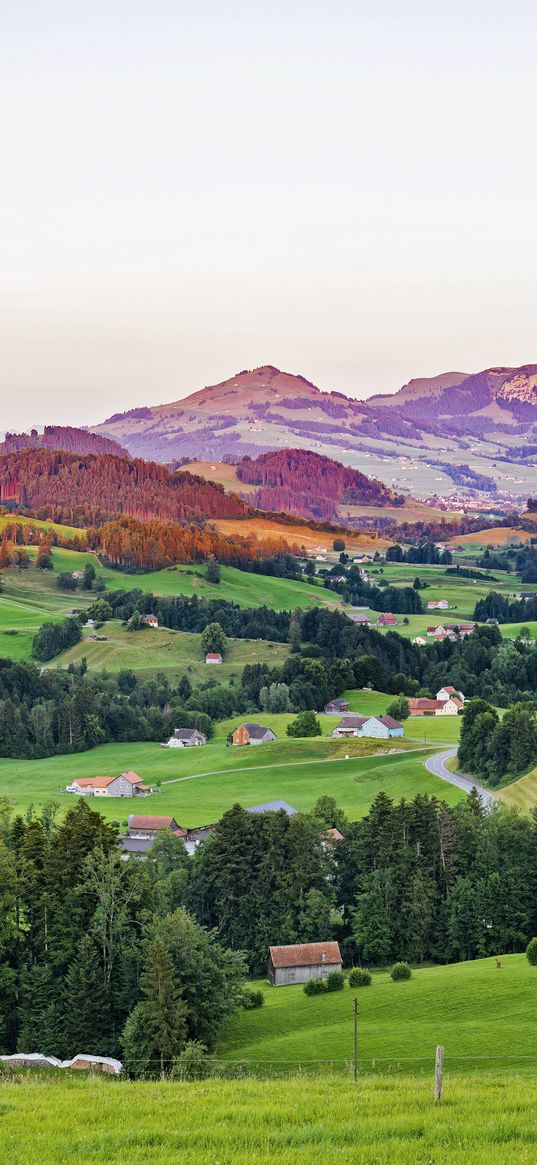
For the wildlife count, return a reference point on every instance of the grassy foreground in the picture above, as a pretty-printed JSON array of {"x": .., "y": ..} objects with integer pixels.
[{"x": 298, "y": 1121}]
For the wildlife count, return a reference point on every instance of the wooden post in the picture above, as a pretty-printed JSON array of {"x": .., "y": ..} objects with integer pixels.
[
  {"x": 355, "y": 1039},
  {"x": 438, "y": 1066}
]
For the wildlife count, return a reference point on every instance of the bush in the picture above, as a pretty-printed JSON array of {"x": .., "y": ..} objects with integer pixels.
[
  {"x": 335, "y": 981},
  {"x": 358, "y": 977},
  {"x": 251, "y": 999},
  {"x": 400, "y": 971},
  {"x": 315, "y": 987},
  {"x": 531, "y": 952},
  {"x": 193, "y": 1063}
]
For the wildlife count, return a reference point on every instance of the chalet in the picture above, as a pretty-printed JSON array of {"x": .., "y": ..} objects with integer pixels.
[
  {"x": 450, "y": 707},
  {"x": 301, "y": 962},
  {"x": 144, "y": 829},
  {"x": 150, "y": 620},
  {"x": 437, "y": 605},
  {"x": 386, "y": 620},
  {"x": 336, "y": 707},
  {"x": 251, "y": 733},
  {"x": 447, "y": 692},
  {"x": 358, "y": 617},
  {"x": 213, "y": 657},
  {"x": 432, "y": 631},
  {"x": 381, "y": 727},
  {"x": 186, "y": 738},
  {"x": 127, "y": 784}
]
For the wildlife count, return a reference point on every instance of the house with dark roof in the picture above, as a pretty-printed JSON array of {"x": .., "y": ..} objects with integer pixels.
[
  {"x": 126, "y": 784},
  {"x": 252, "y": 733},
  {"x": 186, "y": 738},
  {"x": 302, "y": 961},
  {"x": 143, "y": 829},
  {"x": 380, "y": 727},
  {"x": 273, "y": 807},
  {"x": 336, "y": 707},
  {"x": 150, "y": 620}
]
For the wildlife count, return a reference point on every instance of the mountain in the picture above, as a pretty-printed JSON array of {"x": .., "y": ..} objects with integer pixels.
[
  {"x": 309, "y": 485},
  {"x": 61, "y": 437},
  {"x": 434, "y": 437}
]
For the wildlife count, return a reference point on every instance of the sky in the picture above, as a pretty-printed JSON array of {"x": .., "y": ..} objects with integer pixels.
[{"x": 345, "y": 190}]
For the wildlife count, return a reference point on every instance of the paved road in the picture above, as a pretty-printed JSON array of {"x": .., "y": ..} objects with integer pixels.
[{"x": 437, "y": 766}]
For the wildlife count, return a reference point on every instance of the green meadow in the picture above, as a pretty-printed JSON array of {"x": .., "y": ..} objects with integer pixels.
[
  {"x": 381, "y": 1120},
  {"x": 478, "y": 1011},
  {"x": 199, "y": 784}
]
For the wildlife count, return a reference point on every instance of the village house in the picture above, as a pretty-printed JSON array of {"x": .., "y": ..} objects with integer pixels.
[
  {"x": 186, "y": 738},
  {"x": 126, "y": 784},
  {"x": 142, "y": 831},
  {"x": 437, "y": 605},
  {"x": 358, "y": 617},
  {"x": 447, "y": 692},
  {"x": 386, "y": 620},
  {"x": 150, "y": 620},
  {"x": 301, "y": 962},
  {"x": 381, "y": 727},
  {"x": 77, "y": 574},
  {"x": 213, "y": 657},
  {"x": 440, "y": 630},
  {"x": 336, "y": 707},
  {"x": 252, "y": 733},
  {"x": 419, "y": 641},
  {"x": 423, "y": 706}
]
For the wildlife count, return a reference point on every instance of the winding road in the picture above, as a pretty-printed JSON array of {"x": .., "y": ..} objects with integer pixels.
[{"x": 437, "y": 766}]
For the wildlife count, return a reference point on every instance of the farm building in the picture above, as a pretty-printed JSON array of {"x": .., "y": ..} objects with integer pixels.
[
  {"x": 437, "y": 605},
  {"x": 382, "y": 727},
  {"x": 150, "y": 620},
  {"x": 142, "y": 831},
  {"x": 448, "y": 692},
  {"x": 213, "y": 657},
  {"x": 186, "y": 738},
  {"x": 422, "y": 706},
  {"x": 358, "y": 617},
  {"x": 273, "y": 807},
  {"x": 302, "y": 961},
  {"x": 336, "y": 707},
  {"x": 251, "y": 733},
  {"x": 127, "y": 784},
  {"x": 386, "y": 620}
]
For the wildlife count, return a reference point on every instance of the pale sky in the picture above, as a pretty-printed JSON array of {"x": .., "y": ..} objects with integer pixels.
[{"x": 346, "y": 189}]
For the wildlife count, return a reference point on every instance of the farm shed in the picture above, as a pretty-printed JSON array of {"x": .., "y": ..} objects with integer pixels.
[{"x": 302, "y": 961}]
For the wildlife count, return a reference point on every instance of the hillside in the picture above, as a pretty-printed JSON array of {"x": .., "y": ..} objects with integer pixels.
[
  {"x": 435, "y": 436},
  {"x": 64, "y": 437},
  {"x": 309, "y": 485}
]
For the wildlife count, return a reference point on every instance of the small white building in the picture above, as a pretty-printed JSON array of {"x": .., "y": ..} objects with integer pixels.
[
  {"x": 186, "y": 738},
  {"x": 448, "y": 692},
  {"x": 213, "y": 657},
  {"x": 379, "y": 727}
]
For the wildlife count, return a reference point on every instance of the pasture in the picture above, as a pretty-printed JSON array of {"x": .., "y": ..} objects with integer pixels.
[
  {"x": 199, "y": 784},
  {"x": 297, "y": 1121},
  {"x": 479, "y": 1012}
]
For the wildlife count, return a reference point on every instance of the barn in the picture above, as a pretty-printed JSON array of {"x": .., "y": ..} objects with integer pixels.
[{"x": 302, "y": 961}]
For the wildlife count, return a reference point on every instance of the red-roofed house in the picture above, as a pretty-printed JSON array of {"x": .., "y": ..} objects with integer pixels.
[
  {"x": 213, "y": 657},
  {"x": 127, "y": 784},
  {"x": 386, "y": 620},
  {"x": 303, "y": 961}
]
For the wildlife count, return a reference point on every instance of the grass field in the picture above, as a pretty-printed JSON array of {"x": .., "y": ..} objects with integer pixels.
[
  {"x": 301, "y": 536},
  {"x": 298, "y": 1121},
  {"x": 172, "y": 652},
  {"x": 521, "y": 794},
  {"x": 16, "y": 519},
  {"x": 205, "y": 782},
  {"x": 474, "y": 1009}
]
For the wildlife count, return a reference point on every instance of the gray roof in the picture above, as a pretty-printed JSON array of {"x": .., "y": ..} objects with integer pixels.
[
  {"x": 186, "y": 733},
  {"x": 136, "y": 845},
  {"x": 354, "y": 721},
  {"x": 273, "y": 807},
  {"x": 256, "y": 729},
  {"x": 388, "y": 721}
]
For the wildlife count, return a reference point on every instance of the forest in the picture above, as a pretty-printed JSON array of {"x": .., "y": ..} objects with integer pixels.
[{"x": 309, "y": 484}]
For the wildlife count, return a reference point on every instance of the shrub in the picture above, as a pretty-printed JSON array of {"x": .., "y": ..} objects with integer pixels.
[
  {"x": 335, "y": 981},
  {"x": 400, "y": 971},
  {"x": 531, "y": 952},
  {"x": 315, "y": 987},
  {"x": 358, "y": 977},
  {"x": 193, "y": 1063},
  {"x": 251, "y": 999}
]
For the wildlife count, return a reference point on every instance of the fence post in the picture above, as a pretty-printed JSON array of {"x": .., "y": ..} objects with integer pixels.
[
  {"x": 355, "y": 1039},
  {"x": 438, "y": 1066}
]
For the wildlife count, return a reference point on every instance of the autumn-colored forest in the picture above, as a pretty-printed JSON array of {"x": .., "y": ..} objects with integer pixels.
[{"x": 309, "y": 484}]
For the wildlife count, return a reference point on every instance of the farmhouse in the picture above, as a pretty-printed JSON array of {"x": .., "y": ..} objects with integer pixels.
[
  {"x": 303, "y": 961},
  {"x": 437, "y": 605},
  {"x": 386, "y": 620},
  {"x": 150, "y": 620},
  {"x": 336, "y": 707},
  {"x": 186, "y": 738},
  {"x": 142, "y": 831},
  {"x": 213, "y": 657},
  {"x": 382, "y": 727},
  {"x": 447, "y": 692},
  {"x": 358, "y": 617},
  {"x": 423, "y": 706},
  {"x": 420, "y": 641},
  {"x": 127, "y": 784},
  {"x": 251, "y": 733},
  {"x": 77, "y": 574}
]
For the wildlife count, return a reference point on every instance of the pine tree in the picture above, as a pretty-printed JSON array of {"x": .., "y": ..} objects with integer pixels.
[
  {"x": 163, "y": 1008},
  {"x": 87, "y": 1020}
]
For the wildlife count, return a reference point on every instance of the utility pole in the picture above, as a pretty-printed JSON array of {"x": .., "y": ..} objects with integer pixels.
[{"x": 355, "y": 1001}]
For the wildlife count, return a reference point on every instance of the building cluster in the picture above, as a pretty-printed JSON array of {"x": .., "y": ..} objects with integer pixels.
[{"x": 448, "y": 702}]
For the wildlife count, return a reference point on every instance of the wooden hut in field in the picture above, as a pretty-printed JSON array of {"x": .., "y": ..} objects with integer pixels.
[{"x": 302, "y": 961}]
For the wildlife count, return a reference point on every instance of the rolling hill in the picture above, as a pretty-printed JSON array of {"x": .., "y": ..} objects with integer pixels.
[{"x": 432, "y": 437}]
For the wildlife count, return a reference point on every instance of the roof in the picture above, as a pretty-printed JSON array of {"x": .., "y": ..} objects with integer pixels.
[
  {"x": 354, "y": 721},
  {"x": 213, "y": 655},
  {"x": 388, "y": 721},
  {"x": 333, "y": 835},
  {"x": 337, "y": 703},
  {"x": 129, "y": 775},
  {"x": 186, "y": 733},
  {"x": 424, "y": 702},
  {"x": 146, "y": 821},
  {"x": 306, "y": 955},
  {"x": 273, "y": 807},
  {"x": 93, "y": 782},
  {"x": 254, "y": 729},
  {"x": 447, "y": 688}
]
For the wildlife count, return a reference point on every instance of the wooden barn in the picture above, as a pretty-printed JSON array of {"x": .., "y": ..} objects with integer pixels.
[{"x": 302, "y": 961}]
